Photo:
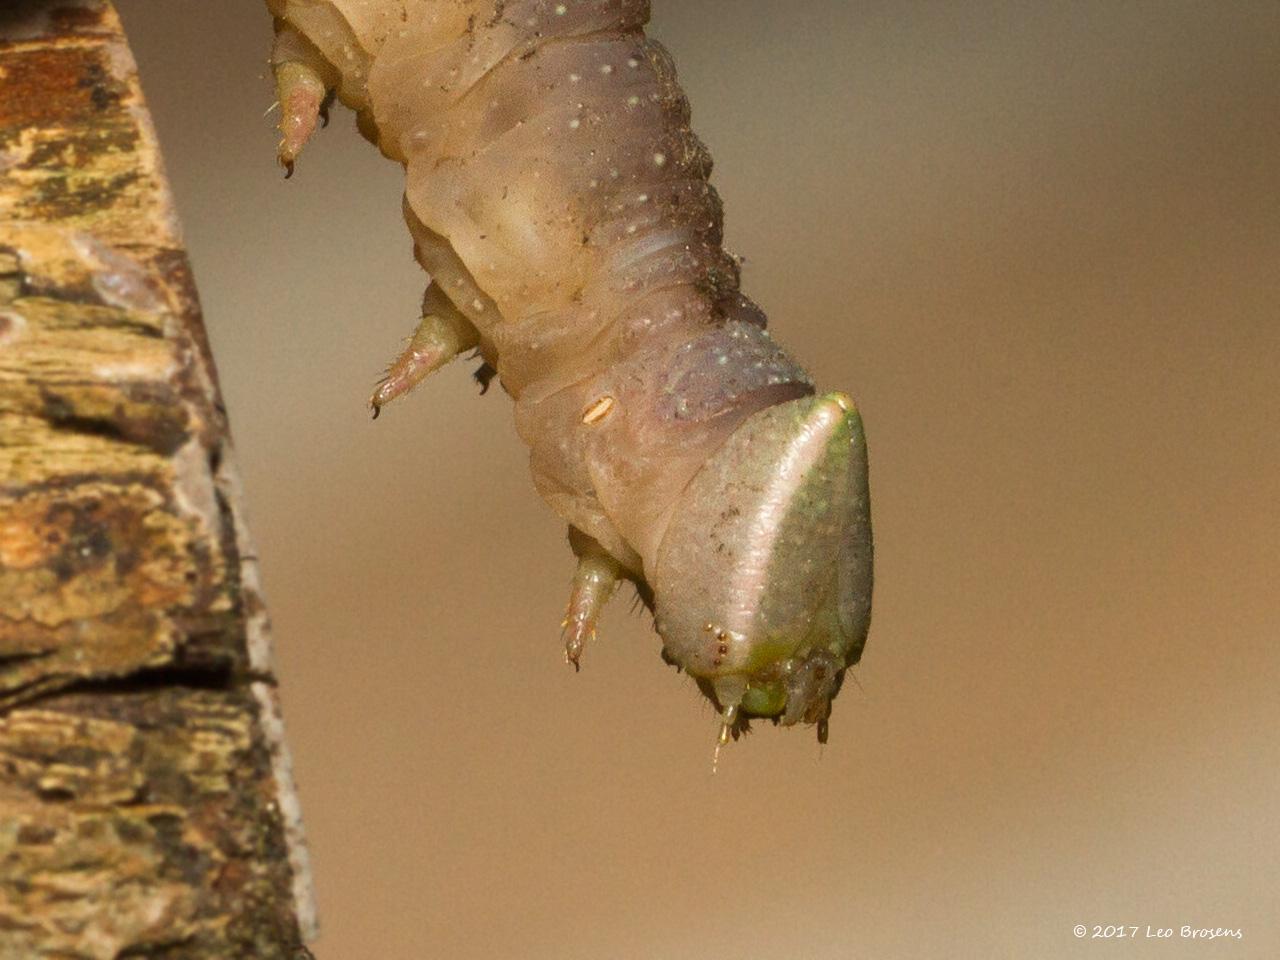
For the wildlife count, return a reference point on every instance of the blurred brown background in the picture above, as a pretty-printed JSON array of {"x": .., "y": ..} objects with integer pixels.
[{"x": 1040, "y": 244}]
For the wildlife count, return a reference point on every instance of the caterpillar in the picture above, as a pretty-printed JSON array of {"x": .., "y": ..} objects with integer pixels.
[{"x": 560, "y": 204}]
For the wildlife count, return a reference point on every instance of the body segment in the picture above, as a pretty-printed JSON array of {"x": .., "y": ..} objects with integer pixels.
[{"x": 560, "y": 203}]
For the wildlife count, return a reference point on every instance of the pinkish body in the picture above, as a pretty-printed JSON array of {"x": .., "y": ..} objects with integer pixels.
[{"x": 560, "y": 203}]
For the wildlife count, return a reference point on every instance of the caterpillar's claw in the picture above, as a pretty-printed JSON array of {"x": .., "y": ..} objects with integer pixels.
[
  {"x": 594, "y": 582},
  {"x": 428, "y": 350},
  {"x": 325, "y": 105},
  {"x": 301, "y": 93},
  {"x": 304, "y": 87},
  {"x": 442, "y": 334},
  {"x": 484, "y": 376}
]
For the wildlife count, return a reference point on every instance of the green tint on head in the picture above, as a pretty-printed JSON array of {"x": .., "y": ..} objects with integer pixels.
[
  {"x": 764, "y": 574},
  {"x": 767, "y": 699},
  {"x": 811, "y": 518},
  {"x": 765, "y": 652}
]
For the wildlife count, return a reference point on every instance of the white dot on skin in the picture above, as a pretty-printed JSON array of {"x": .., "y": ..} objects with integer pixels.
[
  {"x": 633, "y": 101},
  {"x": 574, "y": 78},
  {"x": 606, "y": 68},
  {"x": 477, "y": 304},
  {"x": 632, "y": 62},
  {"x": 659, "y": 159},
  {"x": 561, "y": 9},
  {"x": 574, "y": 123}
]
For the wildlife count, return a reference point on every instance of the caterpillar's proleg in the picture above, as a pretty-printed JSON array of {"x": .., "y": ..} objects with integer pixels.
[
  {"x": 594, "y": 582},
  {"x": 304, "y": 86},
  {"x": 442, "y": 334}
]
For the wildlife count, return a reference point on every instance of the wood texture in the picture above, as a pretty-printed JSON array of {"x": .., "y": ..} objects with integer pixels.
[{"x": 146, "y": 808}]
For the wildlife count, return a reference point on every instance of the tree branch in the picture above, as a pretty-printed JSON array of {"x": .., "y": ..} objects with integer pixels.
[{"x": 146, "y": 805}]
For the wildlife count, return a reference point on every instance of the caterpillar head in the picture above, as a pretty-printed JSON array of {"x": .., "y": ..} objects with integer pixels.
[{"x": 762, "y": 584}]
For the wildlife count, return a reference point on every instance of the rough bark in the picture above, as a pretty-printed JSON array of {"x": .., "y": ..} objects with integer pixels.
[{"x": 146, "y": 808}]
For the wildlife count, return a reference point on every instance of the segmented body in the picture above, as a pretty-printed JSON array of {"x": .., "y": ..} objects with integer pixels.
[{"x": 560, "y": 202}]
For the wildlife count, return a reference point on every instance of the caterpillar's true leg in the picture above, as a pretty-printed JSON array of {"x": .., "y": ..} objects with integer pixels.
[
  {"x": 304, "y": 86},
  {"x": 594, "y": 581},
  {"x": 442, "y": 334}
]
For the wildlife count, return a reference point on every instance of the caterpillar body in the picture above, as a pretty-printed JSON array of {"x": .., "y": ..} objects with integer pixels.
[{"x": 560, "y": 203}]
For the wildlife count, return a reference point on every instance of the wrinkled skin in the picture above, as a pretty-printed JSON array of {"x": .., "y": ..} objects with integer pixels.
[{"x": 560, "y": 203}]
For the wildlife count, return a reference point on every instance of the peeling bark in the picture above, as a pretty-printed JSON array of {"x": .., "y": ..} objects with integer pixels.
[{"x": 146, "y": 805}]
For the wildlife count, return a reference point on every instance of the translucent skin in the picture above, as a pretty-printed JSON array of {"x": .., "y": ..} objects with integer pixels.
[{"x": 559, "y": 200}]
